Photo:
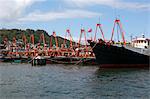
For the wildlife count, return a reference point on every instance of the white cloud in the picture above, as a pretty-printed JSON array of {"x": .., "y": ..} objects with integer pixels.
[
  {"x": 83, "y": 3},
  {"x": 39, "y": 16},
  {"x": 120, "y": 4},
  {"x": 12, "y": 9}
]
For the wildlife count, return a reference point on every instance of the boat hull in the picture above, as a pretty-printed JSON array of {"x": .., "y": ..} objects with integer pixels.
[
  {"x": 124, "y": 66},
  {"x": 72, "y": 60},
  {"x": 109, "y": 56},
  {"x": 14, "y": 60}
]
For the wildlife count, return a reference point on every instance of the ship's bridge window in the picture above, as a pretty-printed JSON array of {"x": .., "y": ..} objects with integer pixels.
[{"x": 141, "y": 41}]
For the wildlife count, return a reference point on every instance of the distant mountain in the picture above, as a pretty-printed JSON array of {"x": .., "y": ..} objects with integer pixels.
[{"x": 18, "y": 34}]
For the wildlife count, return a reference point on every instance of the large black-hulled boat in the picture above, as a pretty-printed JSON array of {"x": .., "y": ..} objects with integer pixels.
[{"x": 114, "y": 56}]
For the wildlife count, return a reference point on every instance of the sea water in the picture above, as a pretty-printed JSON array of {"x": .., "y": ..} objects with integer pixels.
[{"x": 23, "y": 81}]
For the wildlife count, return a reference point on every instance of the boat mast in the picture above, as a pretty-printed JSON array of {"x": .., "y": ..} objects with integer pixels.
[
  {"x": 56, "y": 42},
  {"x": 99, "y": 26},
  {"x": 69, "y": 34},
  {"x": 32, "y": 38},
  {"x": 82, "y": 32},
  {"x": 118, "y": 23},
  {"x": 24, "y": 40},
  {"x": 43, "y": 39}
]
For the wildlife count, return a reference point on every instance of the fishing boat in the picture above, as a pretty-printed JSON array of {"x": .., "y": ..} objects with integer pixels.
[{"x": 119, "y": 56}]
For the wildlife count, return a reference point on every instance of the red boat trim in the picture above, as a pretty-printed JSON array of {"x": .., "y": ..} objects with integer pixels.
[{"x": 124, "y": 66}]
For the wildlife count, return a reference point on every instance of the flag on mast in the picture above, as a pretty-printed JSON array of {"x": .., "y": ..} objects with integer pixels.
[{"x": 89, "y": 30}]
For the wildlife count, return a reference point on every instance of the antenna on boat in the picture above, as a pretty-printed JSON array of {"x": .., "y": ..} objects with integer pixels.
[
  {"x": 131, "y": 36},
  {"x": 99, "y": 20}
]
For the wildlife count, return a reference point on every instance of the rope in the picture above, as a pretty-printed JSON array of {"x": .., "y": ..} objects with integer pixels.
[
  {"x": 61, "y": 62},
  {"x": 81, "y": 58},
  {"x": 79, "y": 61},
  {"x": 94, "y": 45},
  {"x": 32, "y": 59}
]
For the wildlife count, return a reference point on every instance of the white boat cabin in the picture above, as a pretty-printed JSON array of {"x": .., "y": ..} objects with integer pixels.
[{"x": 141, "y": 42}]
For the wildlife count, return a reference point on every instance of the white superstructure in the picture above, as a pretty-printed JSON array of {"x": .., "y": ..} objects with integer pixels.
[{"x": 141, "y": 42}]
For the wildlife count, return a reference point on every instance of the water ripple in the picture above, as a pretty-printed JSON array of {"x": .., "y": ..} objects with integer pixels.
[{"x": 72, "y": 82}]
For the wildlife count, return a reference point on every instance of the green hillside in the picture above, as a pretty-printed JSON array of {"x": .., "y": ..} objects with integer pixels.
[{"x": 18, "y": 33}]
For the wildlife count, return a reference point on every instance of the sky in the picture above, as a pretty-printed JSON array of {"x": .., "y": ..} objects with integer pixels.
[{"x": 59, "y": 15}]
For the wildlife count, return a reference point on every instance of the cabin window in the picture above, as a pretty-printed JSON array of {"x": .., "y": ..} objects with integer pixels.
[{"x": 141, "y": 41}]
